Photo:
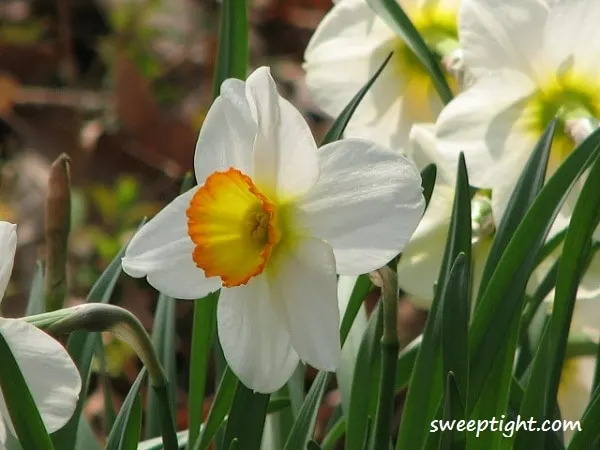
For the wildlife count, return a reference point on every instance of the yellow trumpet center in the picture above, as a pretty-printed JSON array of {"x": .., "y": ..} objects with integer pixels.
[
  {"x": 234, "y": 227},
  {"x": 569, "y": 96},
  {"x": 438, "y": 28}
]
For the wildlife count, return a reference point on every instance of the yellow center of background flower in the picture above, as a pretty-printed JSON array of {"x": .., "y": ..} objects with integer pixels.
[
  {"x": 234, "y": 227},
  {"x": 437, "y": 27},
  {"x": 570, "y": 97}
]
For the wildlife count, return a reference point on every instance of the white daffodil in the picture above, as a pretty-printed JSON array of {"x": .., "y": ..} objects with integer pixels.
[
  {"x": 51, "y": 375},
  {"x": 348, "y": 47},
  {"x": 271, "y": 223},
  {"x": 531, "y": 60},
  {"x": 421, "y": 260}
]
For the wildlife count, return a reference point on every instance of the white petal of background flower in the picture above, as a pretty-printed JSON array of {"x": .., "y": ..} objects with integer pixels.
[
  {"x": 366, "y": 204},
  {"x": 255, "y": 341},
  {"x": 2, "y": 433},
  {"x": 227, "y": 134},
  {"x": 51, "y": 375},
  {"x": 496, "y": 34},
  {"x": 303, "y": 287},
  {"x": 8, "y": 244},
  {"x": 484, "y": 123},
  {"x": 284, "y": 150},
  {"x": 575, "y": 389},
  {"x": 162, "y": 250},
  {"x": 572, "y": 32},
  {"x": 423, "y": 152}
]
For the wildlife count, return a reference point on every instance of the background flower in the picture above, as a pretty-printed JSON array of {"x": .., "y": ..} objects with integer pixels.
[{"x": 348, "y": 47}]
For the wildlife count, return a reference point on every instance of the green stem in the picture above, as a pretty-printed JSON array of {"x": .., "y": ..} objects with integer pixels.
[
  {"x": 103, "y": 317},
  {"x": 389, "y": 356}
]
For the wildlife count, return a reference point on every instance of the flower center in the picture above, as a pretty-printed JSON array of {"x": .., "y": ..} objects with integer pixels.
[
  {"x": 234, "y": 227},
  {"x": 569, "y": 97},
  {"x": 438, "y": 28}
]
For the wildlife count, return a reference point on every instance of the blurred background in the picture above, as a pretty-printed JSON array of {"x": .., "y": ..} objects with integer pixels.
[{"x": 122, "y": 87}]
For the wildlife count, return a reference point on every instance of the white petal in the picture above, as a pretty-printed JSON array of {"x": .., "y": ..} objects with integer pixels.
[
  {"x": 227, "y": 135},
  {"x": 304, "y": 288},
  {"x": 51, "y": 375},
  {"x": 255, "y": 341},
  {"x": 162, "y": 251},
  {"x": 572, "y": 32},
  {"x": 348, "y": 46},
  {"x": 501, "y": 195},
  {"x": 366, "y": 204},
  {"x": 285, "y": 157},
  {"x": 423, "y": 151},
  {"x": 496, "y": 34},
  {"x": 8, "y": 246},
  {"x": 485, "y": 123},
  {"x": 419, "y": 266}
]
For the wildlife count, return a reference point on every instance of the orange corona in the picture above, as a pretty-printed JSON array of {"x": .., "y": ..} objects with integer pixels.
[{"x": 234, "y": 227}]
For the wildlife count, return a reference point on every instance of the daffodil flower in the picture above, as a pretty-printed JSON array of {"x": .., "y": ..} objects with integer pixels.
[
  {"x": 531, "y": 60},
  {"x": 421, "y": 260},
  {"x": 271, "y": 222},
  {"x": 350, "y": 44},
  {"x": 51, "y": 375}
]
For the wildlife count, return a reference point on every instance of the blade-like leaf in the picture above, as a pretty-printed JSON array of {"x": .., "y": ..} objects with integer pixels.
[
  {"x": 336, "y": 130},
  {"x": 428, "y": 177},
  {"x": 495, "y": 315},
  {"x": 35, "y": 302},
  {"x": 455, "y": 322},
  {"x": 232, "y": 54},
  {"x": 163, "y": 339},
  {"x": 125, "y": 433},
  {"x": 425, "y": 385},
  {"x": 365, "y": 382},
  {"x": 218, "y": 410},
  {"x": 572, "y": 265},
  {"x": 393, "y": 14},
  {"x": 246, "y": 418},
  {"x": 24, "y": 414},
  {"x": 203, "y": 331},
  {"x": 453, "y": 411},
  {"x": 305, "y": 423}
]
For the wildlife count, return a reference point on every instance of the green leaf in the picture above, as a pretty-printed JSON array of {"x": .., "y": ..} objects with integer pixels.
[
  {"x": 406, "y": 362},
  {"x": 365, "y": 382},
  {"x": 453, "y": 411},
  {"x": 336, "y": 130},
  {"x": 312, "y": 445},
  {"x": 393, "y": 14},
  {"x": 493, "y": 398},
  {"x": 109, "y": 410},
  {"x": 277, "y": 404},
  {"x": 24, "y": 414},
  {"x": 494, "y": 318},
  {"x": 455, "y": 322},
  {"x": 305, "y": 423},
  {"x": 218, "y": 410},
  {"x": 333, "y": 436},
  {"x": 425, "y": 390},
  {"x": 203, "y": 331},
  {"x": 125, "y": 433},
  {"x": 572, "y": 265},
  {"x": 157, "y": 443},
  {"x": 361, "y": 288},
  {"x": 81, "y": 346},
  {"x": 428, "y": 177},
  {"x": 86, "y": 439},
  {"x": 232, "y": 54},
  {"x": 35, "y": 302},
  {"x": 527, "y": 188},
  {"x": 246, "y": 418},
  {"x": 163, "y": 340}
]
